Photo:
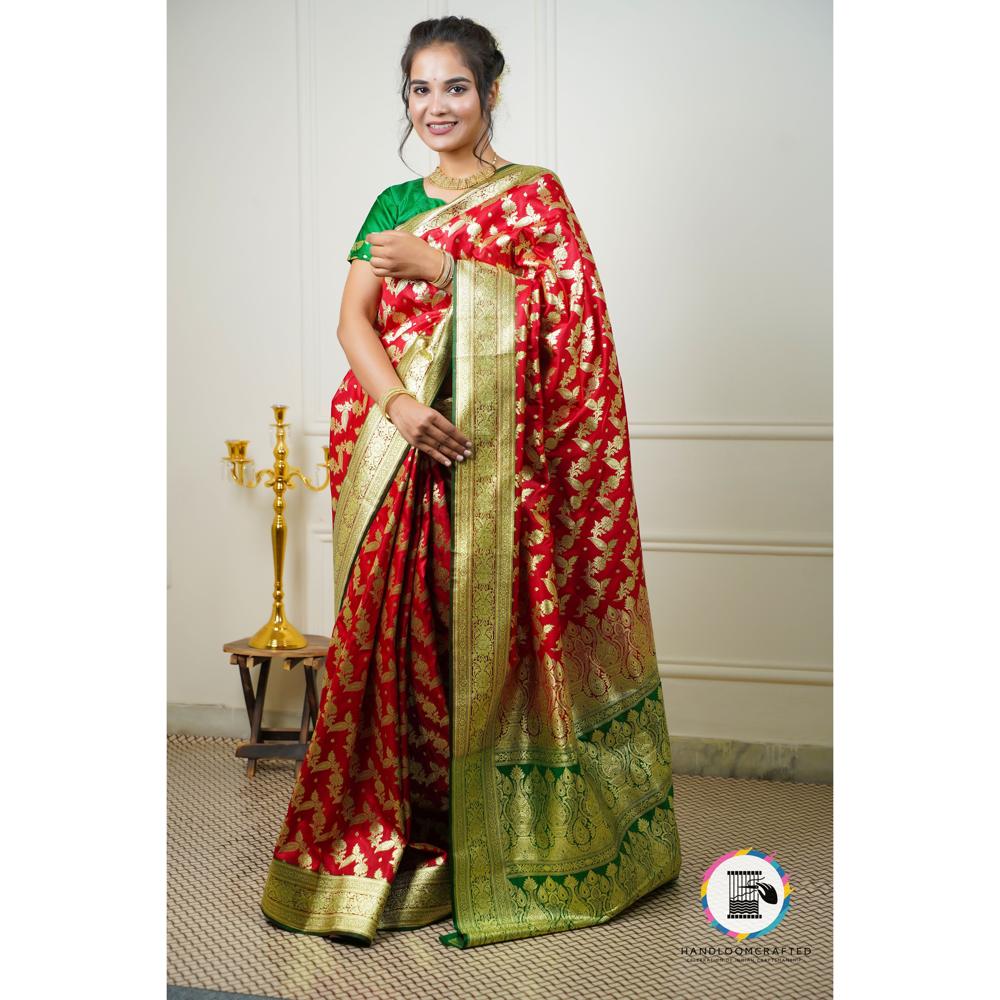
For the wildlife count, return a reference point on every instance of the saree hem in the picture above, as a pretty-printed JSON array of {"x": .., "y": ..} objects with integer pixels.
[
  {"x": 316, "y": 902},
  {"x": 320, "y": 903},
  {"x": 360, "y": 939},
  {"x": 460, "y": 939},
  {"x": 419, "y": 896},
  {"x": 584, "y": 898},
  {"x": 416, "y": 926}
]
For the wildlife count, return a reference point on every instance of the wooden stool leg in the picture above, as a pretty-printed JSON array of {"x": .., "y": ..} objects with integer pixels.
[
  {"x": 248, "y": 696},
  {"x": 306, "y": 715},
  {"x": 311, "y": 694},
  {"x": 258, "y": 709},
  {"x": 241, "y": 662}
]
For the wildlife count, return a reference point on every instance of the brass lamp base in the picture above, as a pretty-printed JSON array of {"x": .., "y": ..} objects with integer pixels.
[{"x": 278, "y": 634}]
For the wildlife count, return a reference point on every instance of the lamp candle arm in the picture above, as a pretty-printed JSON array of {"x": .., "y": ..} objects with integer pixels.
[{"x": 296, "y": 473}]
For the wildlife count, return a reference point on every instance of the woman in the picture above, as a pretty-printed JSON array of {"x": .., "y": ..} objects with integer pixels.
[{"x": 491, "y": 742}]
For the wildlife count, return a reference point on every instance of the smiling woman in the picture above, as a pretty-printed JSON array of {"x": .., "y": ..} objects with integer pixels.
[{"x": 491, "y": 743}]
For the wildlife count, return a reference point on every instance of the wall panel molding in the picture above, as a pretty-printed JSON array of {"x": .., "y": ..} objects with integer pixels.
[
  {"x": 547, "y": 117},
  {"x": 732, "y": 430},
  {"x": 738, "y": 546},
  {"x": 735, "y": 670}
]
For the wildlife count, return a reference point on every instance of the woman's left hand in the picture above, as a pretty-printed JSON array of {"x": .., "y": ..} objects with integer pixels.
[{"x": 396, "y": 254}]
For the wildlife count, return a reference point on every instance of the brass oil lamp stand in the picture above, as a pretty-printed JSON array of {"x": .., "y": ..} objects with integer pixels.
[{"x": 278, "y": 633}]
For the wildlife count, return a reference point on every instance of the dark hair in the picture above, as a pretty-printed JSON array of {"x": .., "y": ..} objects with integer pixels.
[{"x": 479, "y": 52}]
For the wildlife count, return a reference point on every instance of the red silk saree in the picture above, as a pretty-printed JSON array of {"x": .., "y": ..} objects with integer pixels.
[{"x": 491, "y": 740}]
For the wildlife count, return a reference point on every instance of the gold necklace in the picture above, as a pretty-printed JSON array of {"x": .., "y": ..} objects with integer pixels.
[{"x": 442, "y": 180}]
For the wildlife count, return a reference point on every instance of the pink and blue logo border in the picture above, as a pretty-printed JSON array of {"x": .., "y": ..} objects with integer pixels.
[{"x": 710, "y": 918}]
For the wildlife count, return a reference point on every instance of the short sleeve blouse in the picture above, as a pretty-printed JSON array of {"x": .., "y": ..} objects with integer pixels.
[{"x": 392, "y": 207}]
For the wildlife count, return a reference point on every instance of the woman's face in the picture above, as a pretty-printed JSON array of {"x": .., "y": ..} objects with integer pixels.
[{"x": 443, "y": 101}]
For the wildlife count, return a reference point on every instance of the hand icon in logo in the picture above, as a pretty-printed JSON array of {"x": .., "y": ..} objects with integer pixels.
[{"x": 767, "y": 891}]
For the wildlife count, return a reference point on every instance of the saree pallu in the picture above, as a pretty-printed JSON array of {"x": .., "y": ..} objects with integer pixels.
[{"x": 491, "y": 741}]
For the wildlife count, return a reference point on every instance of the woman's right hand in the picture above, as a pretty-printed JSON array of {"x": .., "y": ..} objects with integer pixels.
[{"x": 425, "y": 428}]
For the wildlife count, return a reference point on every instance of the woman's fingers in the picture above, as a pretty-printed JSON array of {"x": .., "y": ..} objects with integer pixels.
[
  {"x": 383, "y": 266},
  {"x": 445, "y": 425},
  {"x": 398, "y": 255},
  {"x": 423, "y": 441},
  {"x": 435, "y": 434},
  {"x": 452, "y": 438},
  {"x": 443, "y": 443},
  {"x": 435, "y": 454},
  {"x": 432, "y": 433}
]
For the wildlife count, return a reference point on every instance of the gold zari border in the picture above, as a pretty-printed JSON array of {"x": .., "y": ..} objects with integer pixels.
[
  {"x": 380, "y": 448},
  {"x": 320, "y": 903},
  {"x": 519, "y": 173},
  {"x": 419, "y": 896},
  {"x": 482, "y": 582}
]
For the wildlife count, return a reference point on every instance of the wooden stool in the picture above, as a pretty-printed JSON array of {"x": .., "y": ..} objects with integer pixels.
[{"x": 285, "y": 743}]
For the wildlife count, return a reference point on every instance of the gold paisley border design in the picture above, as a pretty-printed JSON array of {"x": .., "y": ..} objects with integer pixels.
[
  {"x": 507, "y": 756},
  {"x": 380, "y": 448},
  {"x": 482, "y": 584},
  {"x": 649, "y": 856},
  {"x": 557, "y": 820}
]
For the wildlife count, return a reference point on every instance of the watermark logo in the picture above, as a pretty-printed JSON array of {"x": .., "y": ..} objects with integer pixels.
[{"x": 745, "y": 894}]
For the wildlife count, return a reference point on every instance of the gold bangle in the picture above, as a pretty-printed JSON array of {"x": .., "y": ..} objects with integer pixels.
[
  {"x": 447, "y": 269},
  {"x": 444, "y": 267},
  {"x": 389, "y": 394}
]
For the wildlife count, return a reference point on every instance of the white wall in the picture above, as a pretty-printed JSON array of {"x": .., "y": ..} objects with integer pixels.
[{"x": 694, "y": 139}]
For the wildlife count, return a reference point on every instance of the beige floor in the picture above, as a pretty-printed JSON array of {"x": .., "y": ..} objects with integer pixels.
[{"x": 222, "y": 829}]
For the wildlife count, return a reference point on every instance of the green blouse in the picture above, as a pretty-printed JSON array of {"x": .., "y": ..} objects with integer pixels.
[{"x": 393, "y": 206}]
